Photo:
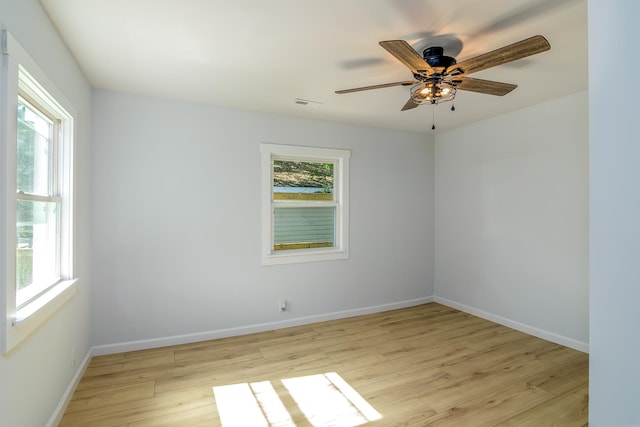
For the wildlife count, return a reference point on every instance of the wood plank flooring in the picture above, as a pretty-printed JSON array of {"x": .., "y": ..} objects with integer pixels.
[{"x": 429, "y": 365}]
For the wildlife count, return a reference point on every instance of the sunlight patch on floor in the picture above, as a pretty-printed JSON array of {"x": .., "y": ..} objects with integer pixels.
[{"x": 324, "y": 399}]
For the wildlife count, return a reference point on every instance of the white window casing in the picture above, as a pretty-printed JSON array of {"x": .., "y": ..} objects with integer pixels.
[
  {"x": 21, "y": 76},
  {"x": 340, "y": 203}
]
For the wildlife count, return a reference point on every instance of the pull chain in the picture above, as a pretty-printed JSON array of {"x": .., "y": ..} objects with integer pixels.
[{"x": 433, "y": 116}]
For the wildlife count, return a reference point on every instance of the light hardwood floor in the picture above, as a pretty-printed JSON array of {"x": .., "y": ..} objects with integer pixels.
[{"x": 420, "y": 366}]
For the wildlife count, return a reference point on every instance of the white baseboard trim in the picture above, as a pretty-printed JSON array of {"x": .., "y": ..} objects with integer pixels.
[
  {"x": 250, "y": 329},
  {"x": 56, "y": 417},
  {"x": 545, "y": 335}
]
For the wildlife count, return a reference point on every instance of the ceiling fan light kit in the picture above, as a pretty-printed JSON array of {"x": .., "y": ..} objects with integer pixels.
[
  {"x": 433, "y": 91},
  {"x": 438, "y": 77}
]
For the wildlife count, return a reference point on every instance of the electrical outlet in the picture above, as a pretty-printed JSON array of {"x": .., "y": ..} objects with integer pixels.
[
  {"x": 283, "y": 304},
  {"x": 74, "y": 356}
]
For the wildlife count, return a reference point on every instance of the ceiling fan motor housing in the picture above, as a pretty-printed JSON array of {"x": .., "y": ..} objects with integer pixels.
[{"x": 434, "y": 56}]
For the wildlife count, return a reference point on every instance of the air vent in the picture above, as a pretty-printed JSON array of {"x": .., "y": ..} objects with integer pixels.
[{"x": 306, "y": 102}]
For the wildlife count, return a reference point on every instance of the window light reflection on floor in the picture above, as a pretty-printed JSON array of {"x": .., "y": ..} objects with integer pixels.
[{"x": 323, "y": 399}]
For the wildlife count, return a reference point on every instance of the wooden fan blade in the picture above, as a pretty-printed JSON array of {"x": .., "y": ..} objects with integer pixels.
[
  {"x": 521, "y": 49},
  {"x": 409, "y": 57},
  {"x": 409, "y": 105},
  {"x": 483, "y": 86},
  {"x": 358, "y": 89}
]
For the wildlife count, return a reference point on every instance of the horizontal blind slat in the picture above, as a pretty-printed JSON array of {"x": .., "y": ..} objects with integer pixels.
[{"x": 302, "y": 225}]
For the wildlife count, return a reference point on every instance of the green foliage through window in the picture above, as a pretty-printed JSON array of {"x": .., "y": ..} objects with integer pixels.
[{"x": 298, "y": 174}]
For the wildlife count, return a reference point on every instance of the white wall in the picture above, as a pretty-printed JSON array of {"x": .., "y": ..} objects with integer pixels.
[
  {"x": 615, "y": 216},
  {"x": 511, "y": 219},
  {"x": 176, "y": 211},
  {"x": 35, "y": 375}
]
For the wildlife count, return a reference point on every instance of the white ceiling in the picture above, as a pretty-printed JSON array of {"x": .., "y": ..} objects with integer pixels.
[{"x": 262, "y": 55}]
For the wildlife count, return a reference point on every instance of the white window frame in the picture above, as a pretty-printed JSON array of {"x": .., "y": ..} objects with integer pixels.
[
  {"x": 20, "y": 75},
  {"x": 340, "y": 159}
]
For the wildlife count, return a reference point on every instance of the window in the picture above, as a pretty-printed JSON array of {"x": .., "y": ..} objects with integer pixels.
[
  {"x": 37, "y": 203},
  {"x": 305, "y": 204},
  {"x": 37, "y": 143}
]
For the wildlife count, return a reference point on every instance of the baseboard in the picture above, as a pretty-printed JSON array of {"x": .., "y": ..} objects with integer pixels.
[
  {"x": 545, "y": 335},
  {"x": 56, "y": 417},
  {"x": 250, "y": 329}
]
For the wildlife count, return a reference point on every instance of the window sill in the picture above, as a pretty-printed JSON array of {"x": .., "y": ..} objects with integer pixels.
[
  {"x": 28, "y": 318},
  {"x": 298, "y": 256},
  {"x": 37, "y": 311}
]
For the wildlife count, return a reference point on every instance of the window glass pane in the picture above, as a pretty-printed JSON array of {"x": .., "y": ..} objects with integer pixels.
[
  {"x": 295, "y": 180},
  {"x": 37, "y": 247},
  {"x": 35, "y": 150},
  {"x": 304, "y": 227}
]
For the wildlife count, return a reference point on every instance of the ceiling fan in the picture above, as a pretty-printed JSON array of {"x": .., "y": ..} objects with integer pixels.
[{"x": 437, "y": 77}]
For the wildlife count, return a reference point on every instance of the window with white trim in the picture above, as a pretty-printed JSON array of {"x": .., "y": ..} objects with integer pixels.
[
  {"x": 305, "y": 204},
  {"x": 37, "y": 144}
]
